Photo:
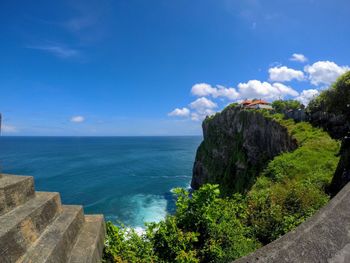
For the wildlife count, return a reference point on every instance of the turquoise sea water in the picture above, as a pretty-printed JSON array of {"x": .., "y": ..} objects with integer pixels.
[{"x": 128, "y": 179}]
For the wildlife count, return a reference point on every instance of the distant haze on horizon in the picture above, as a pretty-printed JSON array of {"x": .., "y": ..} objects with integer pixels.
[{"x": 133, "y": 67}]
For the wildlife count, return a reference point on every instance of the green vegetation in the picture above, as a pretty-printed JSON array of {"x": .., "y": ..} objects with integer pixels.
[
  {"x": 292, "y": 187},
  {"x": 209, "y": 228},
  {"x": 205, "y": 228},
  {"x": 283, "y": 105},
  {"x": 336, "y": 99}
]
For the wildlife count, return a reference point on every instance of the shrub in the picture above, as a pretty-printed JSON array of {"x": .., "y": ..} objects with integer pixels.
[{"x": 281, "y": 106}]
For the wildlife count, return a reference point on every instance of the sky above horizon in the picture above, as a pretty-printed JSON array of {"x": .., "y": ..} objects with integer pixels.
[{"x": 133, "y": 67}]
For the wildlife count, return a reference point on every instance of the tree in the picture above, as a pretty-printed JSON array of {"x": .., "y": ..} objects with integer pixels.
[{"x": 281, "y": 106}]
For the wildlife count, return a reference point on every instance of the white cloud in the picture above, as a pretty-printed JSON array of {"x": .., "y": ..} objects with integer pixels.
[
  {"x": 184, "y": 112},
  {"x": 324, "y": 72},
  {"x": 77, "y": 119},
  {"x": 57, "y": 50},
  {"x": 204, "y": 89},
  {"x": 307, "y": 95},
  {"x": 298, "y": 57},
  {"x": 285, "y": 74},
  {"x": 229, "y": 93},
  {"x": 265, "y": 90},
  {"x": 321, "y": 72},
  {"x": 202, "y": 107},
  {"x": 202, "y": 104},
  {"x": 9, "y": 129},
  {"x": 196, "y": 117},
  {"x": 199, "y": 116}
]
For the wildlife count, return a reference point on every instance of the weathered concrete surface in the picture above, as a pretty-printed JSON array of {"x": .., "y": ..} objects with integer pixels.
[
  {"x": 89, "y": 245},
  {"x": 21, "y": 227},
  {"x": 36, "y": 228},
  {"x": 325, "y": 237},
  {"x": 14, "y": 191},
  {"x": 57, "y": 241}
]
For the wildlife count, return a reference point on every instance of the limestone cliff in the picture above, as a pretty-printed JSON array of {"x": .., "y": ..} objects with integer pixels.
[{"x": 236, "y": 147}]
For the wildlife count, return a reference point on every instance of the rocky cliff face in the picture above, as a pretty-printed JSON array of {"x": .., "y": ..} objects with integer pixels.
[{"x": 236, "y": 147}]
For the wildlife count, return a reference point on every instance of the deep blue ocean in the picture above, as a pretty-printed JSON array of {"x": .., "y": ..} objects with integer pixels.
[{"x": 128, "y": 179}]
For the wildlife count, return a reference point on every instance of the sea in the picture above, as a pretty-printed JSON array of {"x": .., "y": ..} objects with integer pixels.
[{"x": 128, "y": 179}]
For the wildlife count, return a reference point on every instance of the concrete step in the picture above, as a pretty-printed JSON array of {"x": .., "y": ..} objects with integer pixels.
[
  {"x": 15, "y": 191},
  {"x": 57, "y": 241},
  {"x": 89, "y": 245},
  {"x": 22, "y": 226}
]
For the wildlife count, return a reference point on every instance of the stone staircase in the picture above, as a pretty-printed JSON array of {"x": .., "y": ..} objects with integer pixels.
[{"x": 36, "y": 228}]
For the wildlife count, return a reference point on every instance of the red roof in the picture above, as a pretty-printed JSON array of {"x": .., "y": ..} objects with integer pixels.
[
  {"x": 249, "y": 103},
  {"x": 246, "y": 102},
  {"x": 258, "y": 102}
]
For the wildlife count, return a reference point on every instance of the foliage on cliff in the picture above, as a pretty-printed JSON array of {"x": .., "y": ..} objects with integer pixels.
[
  {"x": 281, "y": 106},
  {"x": 209, "y": 228},
  {"x": 205, "y": 228},
  {"x": 292, "y": 187},
  {"x": 336, "y": 99},
  {"x": 331, "y": 111}
]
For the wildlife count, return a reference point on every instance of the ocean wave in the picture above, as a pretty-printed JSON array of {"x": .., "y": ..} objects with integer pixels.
[
  {"x": 142, "y": 208},
  {"x": 187, "y": 187}
]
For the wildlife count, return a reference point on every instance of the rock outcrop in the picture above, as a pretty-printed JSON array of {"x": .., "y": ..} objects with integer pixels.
[{"x": 236, "y": 147}]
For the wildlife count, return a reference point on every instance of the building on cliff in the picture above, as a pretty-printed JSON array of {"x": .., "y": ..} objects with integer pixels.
[{"x": 256, "y": 104}]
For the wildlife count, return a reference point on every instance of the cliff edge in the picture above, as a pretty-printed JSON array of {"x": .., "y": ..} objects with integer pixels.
[{"x": 237, "y": 145}]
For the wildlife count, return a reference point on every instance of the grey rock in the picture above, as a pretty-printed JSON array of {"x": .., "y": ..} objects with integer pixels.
[{"x": 236, "y": 147}]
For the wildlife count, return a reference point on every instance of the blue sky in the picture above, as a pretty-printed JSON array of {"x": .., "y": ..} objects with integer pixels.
[{"x": 157, "y": 67}]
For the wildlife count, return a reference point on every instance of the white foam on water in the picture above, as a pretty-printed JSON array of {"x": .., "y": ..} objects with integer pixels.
[
  {"x": 138, "y": 230},
  {"x": 187, "y": 187},
  {"x": 146, "y": 208}
]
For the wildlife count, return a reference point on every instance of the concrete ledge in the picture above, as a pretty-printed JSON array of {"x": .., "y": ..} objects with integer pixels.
[
  {"x": 325, "y": 237},
  {"x": 20, "y": 228},
  {"x": 57, "y": 241},
  {"x": 15, "y": 191},
  {"x": 89, "y": 245}
]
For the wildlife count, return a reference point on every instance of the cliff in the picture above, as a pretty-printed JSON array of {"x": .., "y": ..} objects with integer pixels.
[{"x": 237, "y": 145}]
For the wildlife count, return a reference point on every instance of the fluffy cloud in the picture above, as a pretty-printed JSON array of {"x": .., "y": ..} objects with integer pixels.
[
  {"x": 184, "y": 112},
  {"x": 265, "y": 90},
  {"x": 9, "y": 129},
  {"x": 324, "y": 72},
  {"x": 321, "y": 72},
  {"x": 202, "y": 104},
  {"x": 285, "y": 74},
  {"x": 298, "y": 57},
  {"x": 197, "y": 117},
  {"x": 307, "y": 95},
  {"x": 204, "y": 89},
  {"x": 202, "y": 107},
  {"x": 77, "y": 119}
]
